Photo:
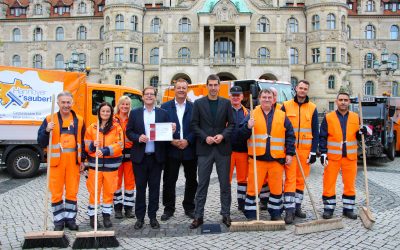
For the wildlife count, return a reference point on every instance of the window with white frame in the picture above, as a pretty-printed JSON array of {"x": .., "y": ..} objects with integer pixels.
[
  {"x": 119, "y": 22},
  {"x": 184, "y": 55},
  {"x": 37, "y": 61},
  {"x": 38, "y": 9},
  {"x": 331, "y": 21},
  {"x": 316, "y": 55},
  {"x": 263, "y": 55},
  {"x": 394, "y": 59},
  {"x": 134, "y": 23},
  {"x": 101, "y": 59},
  {"x": 370, "y": 6},
  {"x": 60, "y": 33},
  {"x": 369, "y": 59},
  {"x": 315, "y": 22},
  {"x": 118, "y": 54},
  {"x": 293, "y": 25},
  {"x": 343, "y": 55},
  {"x": 394, "y": 32},
  {"x": 331, "y": 82},
  {"x": 133, "y": 55},
  {"x": 37, "y": 34},
  {"x": 81, "y": 33},
  {"x": 185, "y": 25},
  {"x": 155, "y": 25},
  {"x": 369, "y": 88},
  {"x": 263, "y": 25},
  {"x": 331, "y": 54},
  {"x": 369, "y": 32},
  {"x": 16, "y": 35},
  {"x": 118, "y": 80},
  {"x": 294, "y": 56},
  {"x": 82, "y": 8},
  {"x": 16, "y": 61},
  {"x": 59, "y": 61},
  {"x": 154, "y": 53},
  {"x": 154, "y": 81}
]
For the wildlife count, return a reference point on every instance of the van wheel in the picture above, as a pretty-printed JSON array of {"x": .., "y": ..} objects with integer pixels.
[
  {"x": 391, "y": 152},
  {"x": 23, "y": 163}
]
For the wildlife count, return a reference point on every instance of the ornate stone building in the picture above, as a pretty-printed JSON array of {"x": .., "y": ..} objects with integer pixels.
[{"x": 332, "y": 43}]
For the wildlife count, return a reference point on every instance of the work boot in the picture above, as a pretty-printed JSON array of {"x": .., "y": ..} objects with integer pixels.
[
  {"x": 263, "y": 205},
  {"x": 118, "y": 211},
  {"x": 59, "y": 227},
  {"x": 350, "y": 214},
  {"x": 276, "y": 217},
  {"x": 289, "y": 217},
  {"x": 72, "y": 225},
  {"x": 327, "y": 214},
  {"x": 129, "y": 213},
  {"x": 107, "y": 221},
  {"x": 300, "y": 213},
  {"x": 92, "y": 222}
]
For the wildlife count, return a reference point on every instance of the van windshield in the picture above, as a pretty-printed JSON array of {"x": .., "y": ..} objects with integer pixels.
[{"x": 285, "y": 91}]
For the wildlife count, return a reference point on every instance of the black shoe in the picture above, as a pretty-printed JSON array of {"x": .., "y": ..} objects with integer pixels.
[
  {"x": 196, "y": 223},
  {"x": 59, "y": 227},
  {"x": 327, "y": 215},
  {"x": 139, "y": 224},
  {"x": 263, "y": 206},
  {"x": 300, "y": 213},
  {"x": 129, "y": 213},
  {"x": 289, "y": 217},
  {"x": 241, "y": 207},
  {"x": 107, "y": 220},
  {"x": 166, "y": 216},
  {"x": 72, "y": 225},
  {"x": 190, "y": 214},
  {"x": 276, "y": 218},
  {"x": 350, "y": 215},
  {"x": 154, "y": 223},
  {"x": 226, "y": 220},
  {"x": 92, "y": 222},
  {"x": 118, "y": 214}
]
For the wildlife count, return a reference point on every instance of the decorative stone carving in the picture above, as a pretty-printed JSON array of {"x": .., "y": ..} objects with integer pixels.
[
  {"x": 369, "y": 44},
  {"x": 81, "y": 46},
  {"x": 224, "y": 11},
  {"x": 38, "y": 46}
]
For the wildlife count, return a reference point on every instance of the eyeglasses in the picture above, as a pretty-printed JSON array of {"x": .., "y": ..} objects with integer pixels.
[{"x": 149, "y": 94}]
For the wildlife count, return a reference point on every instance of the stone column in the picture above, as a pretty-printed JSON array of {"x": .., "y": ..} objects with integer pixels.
[
  {"x": 237, "y": 42},
  {"x": 247, "y": 42},
  {"x": 212, "y": 42},
  {"x": 201, "y": 42}
]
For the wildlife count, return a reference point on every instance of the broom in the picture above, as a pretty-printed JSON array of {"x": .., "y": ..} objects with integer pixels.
[
  {"x": 46, "y": 238},
  {"x": 365, "y": 213},
  {"x": 257, "y": 225},
  {"x": 317, "y": 225},
  {"x": 95, "y": 239}
]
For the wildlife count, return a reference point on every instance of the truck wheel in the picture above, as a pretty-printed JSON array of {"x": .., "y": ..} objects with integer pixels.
[
  {"x": 391, "y": 152},
  {"x": 23, "y": 163}
]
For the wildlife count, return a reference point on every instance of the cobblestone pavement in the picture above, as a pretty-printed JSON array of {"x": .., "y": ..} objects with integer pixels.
[{"x": 21, "y": 205}]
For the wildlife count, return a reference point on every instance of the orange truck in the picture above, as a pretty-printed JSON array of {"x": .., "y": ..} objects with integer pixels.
[{"x": 25, "y": 100}]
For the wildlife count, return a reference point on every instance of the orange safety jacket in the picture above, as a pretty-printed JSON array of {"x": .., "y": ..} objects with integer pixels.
[
  {"x": 112, "y": 142},
  {"x": 301, "y": 119},
  {"x": 335, "y": 136},
  {"x": 75, "y": 129},
  {"x": 127, "y": 143},
  {"x": 277, "y": 136}
]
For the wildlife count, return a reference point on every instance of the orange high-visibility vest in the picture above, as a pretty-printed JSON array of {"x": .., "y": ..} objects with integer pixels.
[
  {"x": 76, "y": 131},
  {"x": 128, "y": 143},
  {"x": 278, "y": 106},
  {"x": 277, "y": 136},
  {"x": 335, "y": 136},
  {"x": 301, "y": 119}
]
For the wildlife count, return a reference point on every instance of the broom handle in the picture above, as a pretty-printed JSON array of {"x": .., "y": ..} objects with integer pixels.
[
  {"x": 306, "y": 184},
  {"x": 254, "y": 160},
  {"x": 363, "y": 152},
  {"x": 49, "y": 148},
  {"x": 96, "y": 175}
]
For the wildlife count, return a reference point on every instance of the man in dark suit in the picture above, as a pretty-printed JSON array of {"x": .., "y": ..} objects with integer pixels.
[
  {"x": 180, "y": 151},
  {"x": 148, "y": 157},
  {"x": 212, "y": 123}
]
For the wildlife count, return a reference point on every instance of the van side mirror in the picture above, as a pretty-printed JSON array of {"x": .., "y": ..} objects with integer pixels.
[{"x": 392, "y": 111}]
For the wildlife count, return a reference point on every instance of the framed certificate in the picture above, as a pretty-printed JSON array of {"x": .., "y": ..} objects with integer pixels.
[{"x": 161, "y": 131}]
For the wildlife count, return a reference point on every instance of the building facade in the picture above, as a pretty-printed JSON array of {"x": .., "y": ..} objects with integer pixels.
[{"x": 331, "y": 43}]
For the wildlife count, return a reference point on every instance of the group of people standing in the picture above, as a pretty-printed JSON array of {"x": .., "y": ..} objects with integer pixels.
[{"x": 212, "y": 130}]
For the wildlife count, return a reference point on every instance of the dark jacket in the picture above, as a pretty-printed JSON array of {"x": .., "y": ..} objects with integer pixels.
[
  {"x": 135, "y": 128},
  {"x": 189, "y": 153},
  {"x": 204, "y": 125},
  {"x": 238, "y": 144}
]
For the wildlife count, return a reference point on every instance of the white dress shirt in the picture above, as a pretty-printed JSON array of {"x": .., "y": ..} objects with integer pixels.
[
  {"x": 149, "y": 118},
  {"x": 180, "y": 111}
]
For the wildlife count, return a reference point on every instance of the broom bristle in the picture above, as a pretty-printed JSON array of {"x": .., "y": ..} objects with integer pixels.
[
  {"x": 95, "y": 242},
  {"x": 366, "y": 217},
  {"x": 244, "y": 226},
  {"x": 318, "y": 226},
  {"x": 46, "y": 242}
]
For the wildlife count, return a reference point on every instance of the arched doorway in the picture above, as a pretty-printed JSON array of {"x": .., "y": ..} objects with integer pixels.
[
  {"x": 180, "y": 75},
  {"x": 226, "y": 76},
  {"x": 268, "y": 76}
]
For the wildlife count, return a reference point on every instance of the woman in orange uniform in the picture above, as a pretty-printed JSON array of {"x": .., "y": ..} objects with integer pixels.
[
  {"x": 125, "y": 171},
  {"x": 109, "y": 152}
]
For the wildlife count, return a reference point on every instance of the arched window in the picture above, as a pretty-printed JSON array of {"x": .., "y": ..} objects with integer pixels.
[
  {"x": 331, "y": 22},
  {"x": 224, "y": 48},
  {"x": 101, "y": 59},
  {"x": 60, "y": 33},
  {"x": 331, "y": 82},
  {"x": 154, "y": 81},
  {"x": 369, "y": 59},
  {"x": 369, "y": 32},
  {"x": 315, "y": 22},
  {"x": 293, "y": 81},
  {"x": 82, "y": 60},
  {"x": 293, "y": 25},
  {"x": 37, "y": 34},
  {"x": 154, "y": 53},
  {"x": 369, "y": 88},
  {"x": 394, "y": 59},
  {"x": 370, "y": 6},
  {"x": 102, "y": 33},
  {"x": 82, "y": 8},
  {"x": 119, "y": 22},
  {"x": 155, "y": 25},
  {"x": 348, "y": 32},
  {"x": 81, "y": 33},
  {"x": 184, "y": 55},
  {"x": 59, "y": 61},
  {"x": 38, "y": 9},
  {"x": 263, "y": 55},
  {"x": 394, "y": 32},
  {"x": 395, "y": 89},
  {"x": 263, "y": 25},
  {"x": 16, "y": 61},
  {"x": 107, "y": 23},
  {"x": 294, "y": 56},
  {"x": 16, "y": 35},
  {"x": 185, "y": 25},
  {"x": 343, "y": 23},
  {"x": 134, "y": 23},
  {"x": 118, "y": 79},
  {"x": 37, "y": 61}
]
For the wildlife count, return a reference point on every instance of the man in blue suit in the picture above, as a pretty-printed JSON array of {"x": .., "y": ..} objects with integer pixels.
[
  {"x": 180, "y": 151},
  {"x": 148, "y": 157}
]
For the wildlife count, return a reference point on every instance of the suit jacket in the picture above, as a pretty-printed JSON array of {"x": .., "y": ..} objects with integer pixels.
[
  {"x": 135, "y": 128},
  {"x": 189, "y": 152},
  {"x": 204, "y": 125}
]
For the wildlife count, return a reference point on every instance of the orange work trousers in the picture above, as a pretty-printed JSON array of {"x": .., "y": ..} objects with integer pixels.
[
  {"x": 125, "y": 172},
  {"x": 272, "y": 169},
  {"x": 293, "y": 178},
  {"x": 240, "y": 160},
  {"x": 65, "y": 174},
  {"x": 107, "y": 182},
  {"x": 349, "y": 173}
]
